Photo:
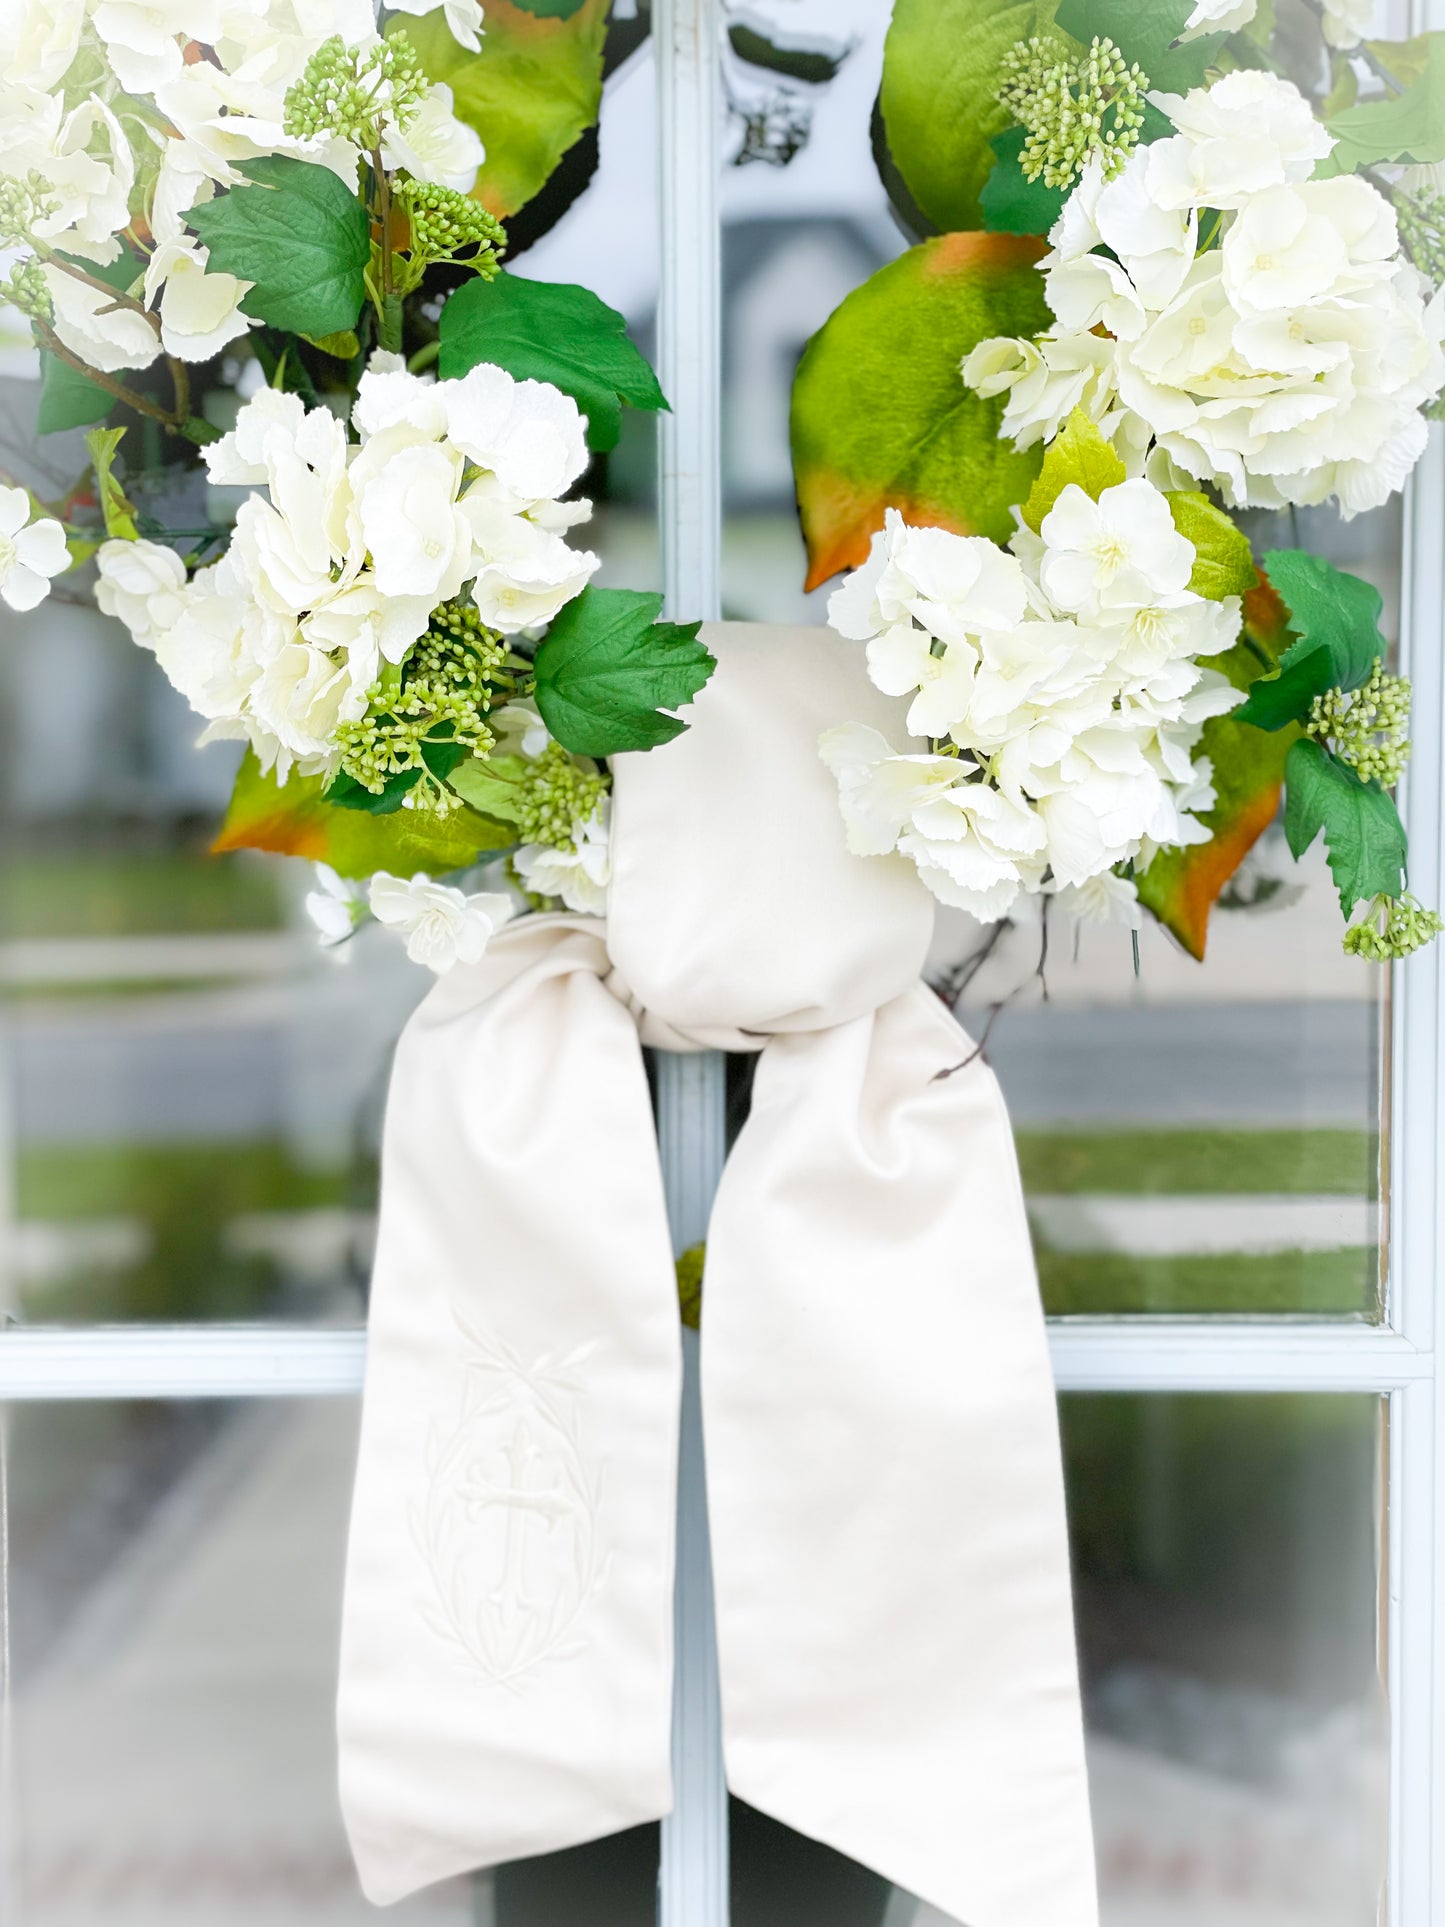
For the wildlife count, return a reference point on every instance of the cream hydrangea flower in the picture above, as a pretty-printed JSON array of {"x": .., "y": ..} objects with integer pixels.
[
  {"x": 31, "y": 553},
  {"x": 1218, "y": 16},
  {"x": 1074, "y": 713},
  {"x": 39, "y": 39},
  {"x": 442, "y": 926},
  {"x": 434, "y": 145},
  {"x": 1289, "y": 363}
]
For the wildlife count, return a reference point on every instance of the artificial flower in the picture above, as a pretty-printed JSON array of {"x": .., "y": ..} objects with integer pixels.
[
  {"x": 30, "y": 552},
  {"x": 1073, "y": 715},
  {"x": 39, "y": 39},
  {"x": 336, "y": 906},
  {"x": 434, "y": 145},
  {"x": 442, "y": 926},
  {"x": 578, "y": 872},
  {"x": 91, "y": 325},
  {"x": 143, "y": 584},
  {"x": 1218, "y": 16},
  {"x": 1248, "y": 131},
  {"x": 463, "y": 18}
]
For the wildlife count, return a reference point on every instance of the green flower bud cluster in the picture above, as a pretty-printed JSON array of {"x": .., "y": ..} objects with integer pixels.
[
  {"x": 356, "y": 91},
  {"x": 1421, "y": 219},
  {"x": 23, "y": 204},
  {"x": 443, "y": 222},
  {"x": 28, "y": 290},
  {"x": 441, "y": 695},
  {"x": 1366, "y": 727},
  {"x": 1406, "y": 927},
  {"x": 1071, "y": 107},
  {"x": 555, "y": 794}
]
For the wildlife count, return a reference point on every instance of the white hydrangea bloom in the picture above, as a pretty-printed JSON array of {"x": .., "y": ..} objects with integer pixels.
[
  {"x": 143, "y": 38},
  {"x": 39, "y": 39},
  {"x": 344, "y": 549},
  {"x": 442, "y": 926},
  {"x": 1346, "y": 22},
  {"x": 30, "y": 552},
  {"x": 1068, "y": 678},
  {"x": 1287, "y": 361},
  {"x": 434, "y": 145}
]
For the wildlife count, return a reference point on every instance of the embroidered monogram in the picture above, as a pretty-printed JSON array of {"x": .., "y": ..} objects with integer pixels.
[{"x": 509, "y": 1527}]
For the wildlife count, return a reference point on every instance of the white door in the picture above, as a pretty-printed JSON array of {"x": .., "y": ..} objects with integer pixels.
[{"x": 1232, "y": 1171}]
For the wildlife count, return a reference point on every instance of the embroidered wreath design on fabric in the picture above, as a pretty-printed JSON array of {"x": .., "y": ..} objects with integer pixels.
[{"x": 509, "y": 1526}]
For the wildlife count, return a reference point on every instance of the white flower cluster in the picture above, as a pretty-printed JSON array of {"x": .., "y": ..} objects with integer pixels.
[
  {"x": 1344, "y": 23},
  {"x": 1260, "y": 329},
  {"x": 182, "y": 123},
  {"x": 1063, "y": 680},
  {"x": 454, "y": 486}
]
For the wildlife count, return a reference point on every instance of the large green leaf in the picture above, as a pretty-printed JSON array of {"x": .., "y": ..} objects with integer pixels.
[
  {"x": 1180, "y": 887},
  {"x": 1364, "y": 837},
  {"x": 534, "y": 88},
  {"x": 1078, "y": 457},
  {"x": 68, "y": 399},
  {"x": 1336, "y": 621},
  {"x": 941, "y": 66},
  {"x": 551, "y": 331},
  {"x": 1408, "y": 127},
  {"x": 301, "y": 236},
  {"x": 608, "y": 669},
  {"x": 1146, "y": 31},
  {"x": 294, "y": 819},
  {"x": 881, "y": 418},
  {"x": 1223, "y": 560}
]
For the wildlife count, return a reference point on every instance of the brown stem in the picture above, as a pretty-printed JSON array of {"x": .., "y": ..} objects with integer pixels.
[
  {"x": 142, "y": 404},
  {"x": 117, "y": 296},
  {"x": 181, "y": 382}
]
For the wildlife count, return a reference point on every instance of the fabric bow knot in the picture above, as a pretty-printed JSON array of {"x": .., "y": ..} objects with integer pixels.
[{"x": 890, "y": 1564}]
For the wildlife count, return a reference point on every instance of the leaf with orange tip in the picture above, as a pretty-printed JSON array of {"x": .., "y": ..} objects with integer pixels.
[
  {"x": 294, "y": 819},
  {"x": 1181, "y": 887},
  {"x": 881, "y": 418}
]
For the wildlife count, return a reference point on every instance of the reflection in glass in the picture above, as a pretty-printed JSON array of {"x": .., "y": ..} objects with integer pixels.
[
  {"x": 1194, "y": 1138},
  {"x": 176, "y": 1602},
  {"x": 1226, "y": 1565},
  {"x": 190, "y": 1093}
]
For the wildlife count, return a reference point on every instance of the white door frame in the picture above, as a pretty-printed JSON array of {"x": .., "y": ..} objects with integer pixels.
[{"x": 1396, "y": 1359}]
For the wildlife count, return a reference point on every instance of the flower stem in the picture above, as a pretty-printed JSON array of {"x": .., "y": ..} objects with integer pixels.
[{"x": 142, "y": 404}]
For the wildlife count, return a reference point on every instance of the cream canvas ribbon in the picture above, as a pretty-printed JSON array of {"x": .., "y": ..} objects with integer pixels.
[{"x": 893, "y": 1604}]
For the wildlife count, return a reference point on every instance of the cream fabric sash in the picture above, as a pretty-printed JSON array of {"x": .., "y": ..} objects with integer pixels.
[{"x": 892, "y": 1587}]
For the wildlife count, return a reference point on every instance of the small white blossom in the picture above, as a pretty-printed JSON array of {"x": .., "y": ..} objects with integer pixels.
[
  {"x": 1346, "y": 22},
  {"x": 336, "y": 906},
  {"x": 1218, "y": 16},
  {"x": 144, "y": 585},
  {"x": 442, "y": 926},
  {"x": 1249, "y": 130},
  {"x": 30, "y": 552},
  {"x": 463, "y": 18},
  {"x": 579, "y": 875},
  {"x": 1119, "y": 552},
  {"x": 434, "y": 145},
  {"x": 1105, "y": 898}
]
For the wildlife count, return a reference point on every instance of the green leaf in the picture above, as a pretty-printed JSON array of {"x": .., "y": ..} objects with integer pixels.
[
  {"x": 1009, "y": 203},
  {"x": 550, "y": 9},
  {"x": 341, "y": 347},
  {"x": 941, "y": 68},
  {"x": 1364, "y": 837},
  {"x": 301, "y": 236},
  {"x": 492, "y": 784},
  {"x": 1146, "y": 31},
  {"x": 1223, "y": 560},
  {"x": 550, "y": 331},
  {"x": 295, "y": 819},
  {"x": 1409, "y": 127},
  {"x": 68, "y": 399},
  {"x": 880, "y": 418},
  {"x": 116, "y": 512},
  {"x": 608, "y": 668},
  {"x": 1078, "y": 454},
  {"x": 1336, "y": 620},
  {"x": 531, "y": 93}
]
